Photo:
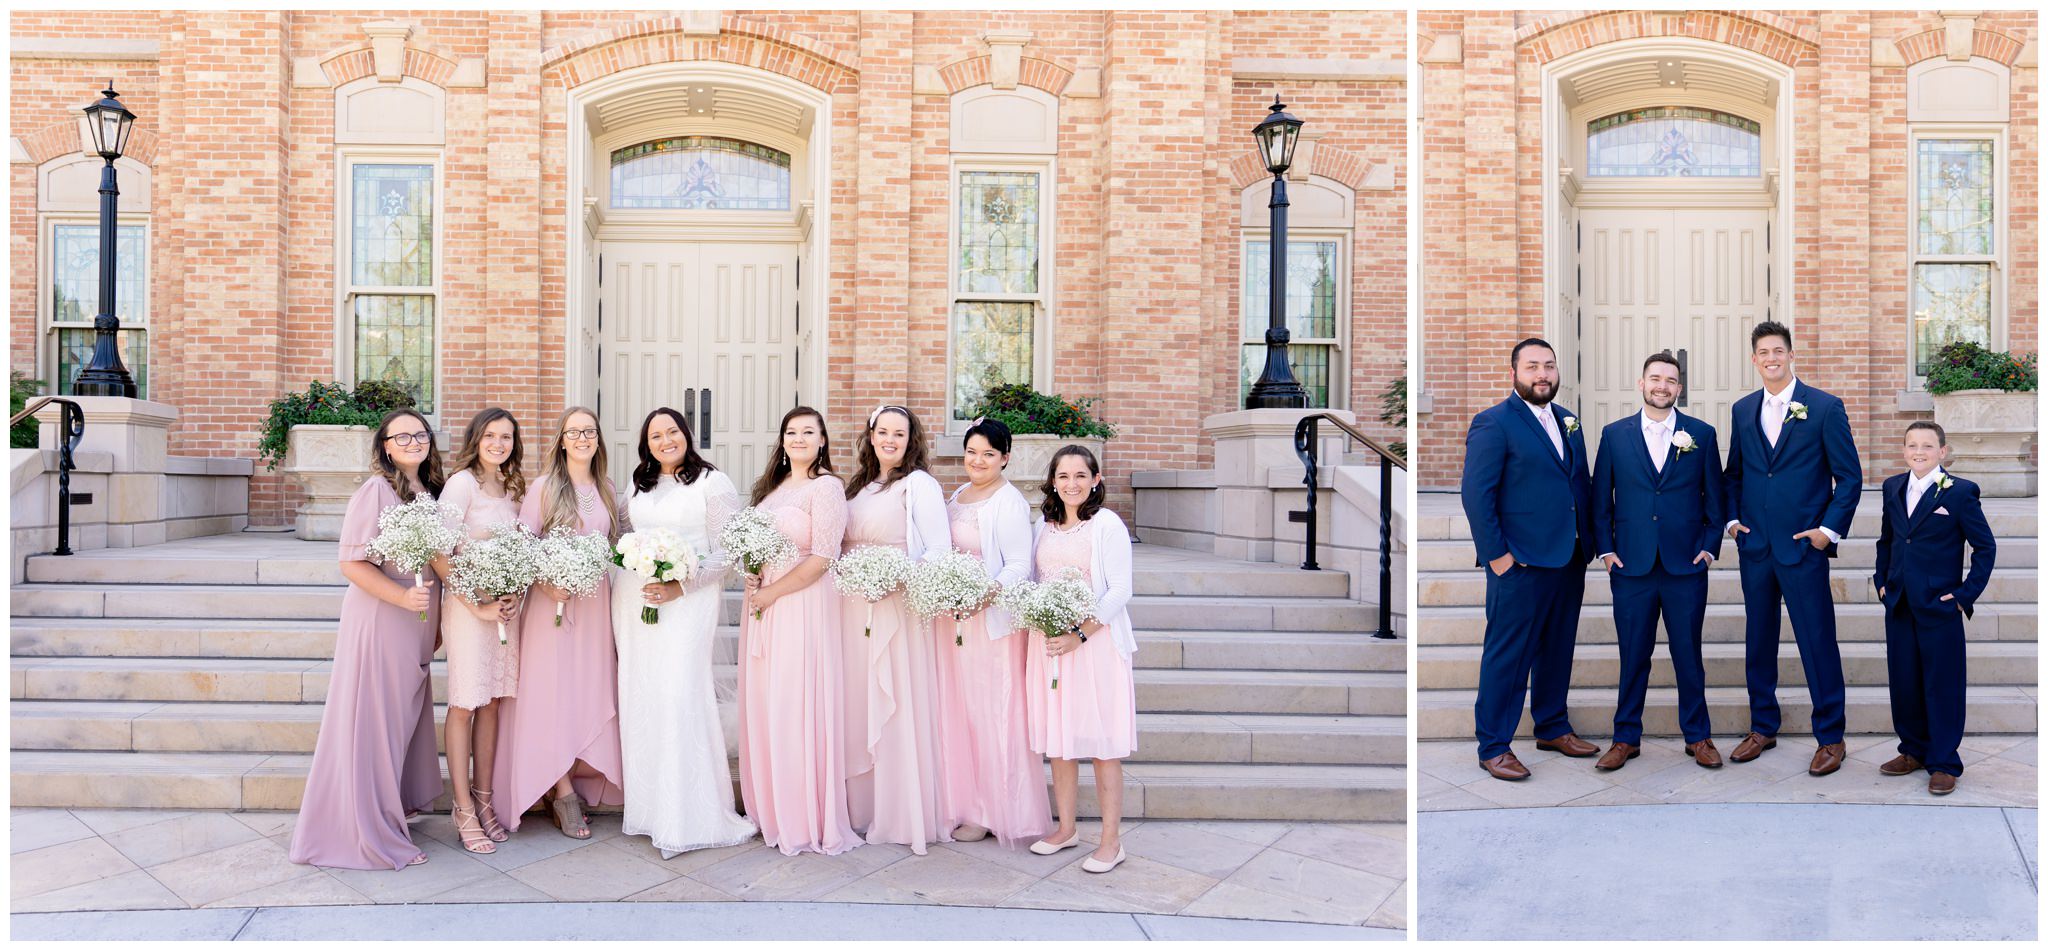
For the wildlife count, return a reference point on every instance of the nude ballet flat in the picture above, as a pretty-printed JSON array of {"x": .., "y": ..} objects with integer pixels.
[
  {"x": 1090, "y": 864},
  {"x": 1042, "y": 847}
]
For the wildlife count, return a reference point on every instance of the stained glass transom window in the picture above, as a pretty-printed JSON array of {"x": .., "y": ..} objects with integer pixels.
[
  {"x": 998, "y": 233},
  {"x": 1956, "y": 211},
  {"x": 1681, "y": 141},
  {"x": 392, "y": 225},
  {"x": 75, "y": 299},
  {"x": 700, "y": 172},
  {"x": 1312, "y": 306}
]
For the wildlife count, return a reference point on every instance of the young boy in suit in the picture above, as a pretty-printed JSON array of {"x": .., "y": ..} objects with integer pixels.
[{"x": 1928, "y": 516}]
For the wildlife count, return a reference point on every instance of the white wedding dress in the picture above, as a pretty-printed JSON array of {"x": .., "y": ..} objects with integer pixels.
[{"x": 678, "y": 780}]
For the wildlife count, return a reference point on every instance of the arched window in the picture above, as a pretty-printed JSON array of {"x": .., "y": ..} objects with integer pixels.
[
  {"x": 1680, "y": 141},
  {"x": 700, "y": 172}
]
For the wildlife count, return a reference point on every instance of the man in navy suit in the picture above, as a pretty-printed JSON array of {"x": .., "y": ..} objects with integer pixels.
[
  {"x": 1657, "y": 513},
  {"x": 1928, "y": 515},
  {"x": 1793, "y": 483},
  {"x": 1525, "y": 494}
]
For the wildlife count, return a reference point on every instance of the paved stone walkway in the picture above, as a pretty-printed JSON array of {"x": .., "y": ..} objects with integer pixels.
[
  {"x": 106, "y": 860},
  {"x": 1748, "y": 871},
  {"x": 1998, "y": 770}
]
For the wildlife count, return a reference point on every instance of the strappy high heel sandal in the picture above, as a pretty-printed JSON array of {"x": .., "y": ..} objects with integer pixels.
[
  {"x": 487, "y": 815},
  {"x": 567, "y": 811},
  {"x": 471, "y": 831}
]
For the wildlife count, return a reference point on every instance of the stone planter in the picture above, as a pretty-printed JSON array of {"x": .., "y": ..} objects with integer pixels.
[
  {"x": 1991, "y": 436},
  {"x": 1031, "y": 454},
  {"x": 330, "y": 463}
]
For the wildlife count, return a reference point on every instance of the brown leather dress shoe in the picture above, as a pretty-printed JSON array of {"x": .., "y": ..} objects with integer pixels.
[
  {"x": 1751, "y": 747},
  {"x": 1505, "y": 766},
  {"x": 1618, "y": 756},
  {"x": 1900, "y": 765},
  {"x": 1827, "y": 759},
  {"x": 1941, "y": 784},
  {"x": 1704, "y": 753},
  {"x": 1568, "y": 744}
]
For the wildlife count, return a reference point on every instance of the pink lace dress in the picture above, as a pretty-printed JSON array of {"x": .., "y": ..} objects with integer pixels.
[
  {"x": 1093, "y": 714},
  {"x": 480, "y": 669},
  {"x": 792, "y": 759}
]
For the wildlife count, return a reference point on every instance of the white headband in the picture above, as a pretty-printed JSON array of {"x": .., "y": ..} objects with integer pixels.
[{"x": 879, "y": 410}]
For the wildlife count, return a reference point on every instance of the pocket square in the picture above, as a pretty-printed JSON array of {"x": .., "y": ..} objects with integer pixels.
[{"x": 1941, "y": 511}]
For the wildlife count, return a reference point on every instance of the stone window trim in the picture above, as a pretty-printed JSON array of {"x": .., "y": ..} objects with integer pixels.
[
  {"x": 67, "y": 194},
  {"x": 134, "y": 314},
  {"x": 1042, "y": 300},
  {"x": 345, "y": 290},
  {"x": 1997, "y": 260}
]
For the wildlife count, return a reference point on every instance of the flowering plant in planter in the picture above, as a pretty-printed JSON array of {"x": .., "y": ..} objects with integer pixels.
[
  {"x": 328, "y": 404},
  {"x": 1029, "y": 412},
  {"x": 1968, "y": 366}
]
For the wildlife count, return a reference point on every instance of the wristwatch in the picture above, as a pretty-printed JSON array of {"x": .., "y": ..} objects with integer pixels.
[{"x": 1079, "y": 633}]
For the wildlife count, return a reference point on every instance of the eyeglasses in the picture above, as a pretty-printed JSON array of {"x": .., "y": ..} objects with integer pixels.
[
  {"x": 579, "y": 434},
  {"x": 411, "y": 439}
]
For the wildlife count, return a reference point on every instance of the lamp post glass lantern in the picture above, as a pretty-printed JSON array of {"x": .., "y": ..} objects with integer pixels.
[
  {"x": 109, "y": 122},
  {"x": 1276, "y": 387}
]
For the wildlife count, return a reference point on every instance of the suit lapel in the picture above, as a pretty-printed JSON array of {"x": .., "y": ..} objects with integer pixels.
[
  {"x": 1929, "y": 501},
  {"x": 1785, "y": 428},
  {"x": 1564, "y": 438},
  {"x": 1542, "y": 438},
  {"x": 1671, "y": 450}
]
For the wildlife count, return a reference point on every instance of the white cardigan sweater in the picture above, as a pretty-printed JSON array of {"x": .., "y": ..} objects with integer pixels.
[
  {"x": 1110, "y": 572},
  {"x": 1006, "y": 540}
]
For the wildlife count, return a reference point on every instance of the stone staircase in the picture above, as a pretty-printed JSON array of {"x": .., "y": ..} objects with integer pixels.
[
  {"x": 191, "y": 675},
  {"x": 2002, "y": 637}
]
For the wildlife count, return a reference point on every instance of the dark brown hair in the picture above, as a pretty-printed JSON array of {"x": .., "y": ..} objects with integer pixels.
[
  {"x": 647, "y": 474},
  {"x": 778, "y": 461},
  {"x": 1770, "y": 328},
  {"x": 1053, "y": 507},
  {"x": 992, "y": 431},
  {"x": 870, "y": 470},
  {"x": 1931, "y": 426},
  {"x": 383, "y": 465},
  {"x": 1661, "y": 356},
  {"x": 469, "y": 459}
]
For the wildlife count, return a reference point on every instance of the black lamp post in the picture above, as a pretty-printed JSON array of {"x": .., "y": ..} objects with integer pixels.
[
  {"x": 1277, "y": 388},
  {"x": 110, "y": 123}
]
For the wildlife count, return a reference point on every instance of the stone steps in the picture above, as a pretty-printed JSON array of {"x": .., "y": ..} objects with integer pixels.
[
  {"x": 1447, "y": 714},
  {"x": 1995, "y": 663},
  {"x": 1440, "y": 516},
  {"x": 216, "y": 780},
  {"x": 1456, "y": 554},
  {"x": 1724, "y": 622},
  {"x": 1467, "y": 587}
]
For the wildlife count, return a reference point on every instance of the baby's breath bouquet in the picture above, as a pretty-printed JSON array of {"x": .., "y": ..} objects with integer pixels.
[
  {"x": 573, "y": 562},
  {"x": 954, "y": 583},
  {"x": 752, "y": 542},
  {"x": 871, "y": 573},
  {"x": 500, "y": 564},
  {"x": 412, "y": 534},
  {"x": 1051, "y": 607},
  {"x": 655, "y": 555}
]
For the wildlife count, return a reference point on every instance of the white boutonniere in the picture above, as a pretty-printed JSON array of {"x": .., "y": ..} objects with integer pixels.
[
  {"x": 1683, "y": 441},
  {"x": 1944, "y": 482},
  {"x": 1795, "y": 411},
  {"x": 1571, "y": 424}
]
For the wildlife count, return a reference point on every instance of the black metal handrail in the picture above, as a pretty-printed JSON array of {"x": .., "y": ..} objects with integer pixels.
[
  {"x": 1306, "y": 446},
  {"x": 70, "y": 429}
]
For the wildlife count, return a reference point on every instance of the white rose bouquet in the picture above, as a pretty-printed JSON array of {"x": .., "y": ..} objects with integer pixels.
[
  {"x": 500, "y": 564},
  {"x": 871, "y": 573},
  {"x": 656, "y": 555},
  {"x": 954, "y": 583},
  {"x": 412, "y": 534},
  {"x": 1051, "y": 607},
  {"x": 573, "y": 562},
  {"x": 752, "y": 542}
]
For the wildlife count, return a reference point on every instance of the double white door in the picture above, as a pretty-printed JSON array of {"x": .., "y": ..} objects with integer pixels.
[
  {"x": 1693, "y": 281},
  {"x": 707, "y": 329}
]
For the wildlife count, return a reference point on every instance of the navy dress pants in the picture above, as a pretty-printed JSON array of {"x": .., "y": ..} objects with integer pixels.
[
  {"x": 1924, "y": 658},
  {"x": 1532, "y": 624},
  {"x": 1639, "y": 602},
  {"x": 1802, "y": 589}
]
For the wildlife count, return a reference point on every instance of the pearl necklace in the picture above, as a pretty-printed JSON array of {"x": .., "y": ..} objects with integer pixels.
[{"x": 586, "y": 502}]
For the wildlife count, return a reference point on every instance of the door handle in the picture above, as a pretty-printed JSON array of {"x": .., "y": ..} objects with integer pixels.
[
  {"x": 704, "y": 427},
  {"x": 1684, "y": 376}
]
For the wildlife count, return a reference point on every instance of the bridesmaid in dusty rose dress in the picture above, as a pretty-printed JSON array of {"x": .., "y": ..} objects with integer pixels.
[
  {"x": 559, "y": 738},
  {"x": 792, "y": 767},
  {"x": 892, "y": 765},
  {"x": 993, "y": 781},
  {"x": 1093, "y": 713},
  {"x": 374, "y": 763},
  {"x": 485, "y": 491}
]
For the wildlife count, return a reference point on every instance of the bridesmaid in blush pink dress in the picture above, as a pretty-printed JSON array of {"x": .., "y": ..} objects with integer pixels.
[
  {"x": 993, "y": 781},
  {"x": 892, "y": 764},
  {"x": 1093, "y": 713},
  {"x": 374, "y": 761},
  {"x": 792, "y": 766},
  {"x": 560, "y": 737}
]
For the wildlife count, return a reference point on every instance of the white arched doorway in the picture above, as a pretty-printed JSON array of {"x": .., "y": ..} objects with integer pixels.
[
  {"x": 1667, "y": 199},
  {"x": 702, "y": 196}
]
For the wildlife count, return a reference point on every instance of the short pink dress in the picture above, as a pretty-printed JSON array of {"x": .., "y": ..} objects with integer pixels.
[
  {"x": 992, "y": 778},
  {"x": 1093, "y": 714},
  {"x": 792, "y": 758},
  {"x": 374, "y": 760},
  {"x": 567, "y": 708},
  {"x": 480, "y": 669}
]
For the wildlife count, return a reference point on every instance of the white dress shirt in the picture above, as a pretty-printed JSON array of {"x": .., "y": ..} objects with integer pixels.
[
  {"x": 1657, "y": 435},
  {"x": 1772, "y": 418},
  {"x": 1548, "y": 421},
  {"x": 1916, "y": 487}
]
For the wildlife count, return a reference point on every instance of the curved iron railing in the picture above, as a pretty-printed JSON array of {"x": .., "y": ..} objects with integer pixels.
[
  {"x": 70, "y": 429},
  {"x": 1306, "y": 446}
]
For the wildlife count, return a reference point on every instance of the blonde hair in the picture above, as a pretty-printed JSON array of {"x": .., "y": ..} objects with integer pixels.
[{"x": 560, "y": 507}]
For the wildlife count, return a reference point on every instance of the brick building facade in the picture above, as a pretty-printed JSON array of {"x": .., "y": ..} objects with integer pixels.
[
  {"x": 1870, "y": 179},
  {"x": 882, "y": 202}
]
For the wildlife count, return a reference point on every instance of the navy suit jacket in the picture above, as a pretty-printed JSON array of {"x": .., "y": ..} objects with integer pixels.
[
  {"x": 1921, "y": 558},
  {"x": 1643, "y": 515},
  {"x": 1519, "y": 496},
  {"x": 1810, "y": 479}
]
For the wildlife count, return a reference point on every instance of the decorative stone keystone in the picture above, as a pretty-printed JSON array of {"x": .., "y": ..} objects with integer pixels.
[
  {"x": 387, "y": 46},
  {"x": 1005, "y": 57},
  {"x": 1959, "y": 24}
]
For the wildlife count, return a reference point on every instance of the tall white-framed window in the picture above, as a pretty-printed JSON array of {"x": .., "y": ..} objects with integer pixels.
[
  {"x": 1000, "y": 313},
  {"x": 1956, "y": 240},
  {"x": 67, "y": 275},
  {"x": 1318, "y": 275},
  {"x": 388, "y": 268}
]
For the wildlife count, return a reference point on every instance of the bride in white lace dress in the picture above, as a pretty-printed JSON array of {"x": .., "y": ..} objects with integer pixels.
[{"x": 678, "y": 781}]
